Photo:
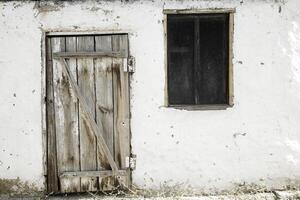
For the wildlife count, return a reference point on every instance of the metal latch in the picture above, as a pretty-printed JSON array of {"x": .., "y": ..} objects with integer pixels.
[{"x": 131, "y": 162}]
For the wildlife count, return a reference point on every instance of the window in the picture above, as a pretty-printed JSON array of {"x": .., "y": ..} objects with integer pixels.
[{"x": 198, "y": 59}]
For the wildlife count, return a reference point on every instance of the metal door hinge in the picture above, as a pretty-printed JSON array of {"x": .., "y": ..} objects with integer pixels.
[
  {"x": 131, "y": 162},
  {"x": 131, "y": 64}
]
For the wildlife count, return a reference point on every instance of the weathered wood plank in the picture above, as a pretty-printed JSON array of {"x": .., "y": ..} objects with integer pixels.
[
  {"x": 66, "y": 119},
  {"x": 97, "y": 129},
  {"x": 59, "y": 83},
  {"x": 104, "y": 99},
  {"x": 88, "y": 149},
  {"x": 114, "y": 54},
  {"x": 45, "y": 52},
  {"x": 104, "y": 103},
  {"x": 101, "y": 145},
  {"x": 69, "y": 140},
  {"x": 121, "y": 106},
  {"x": 52, "y": 178},
  {"x": 103, "y": 173}
]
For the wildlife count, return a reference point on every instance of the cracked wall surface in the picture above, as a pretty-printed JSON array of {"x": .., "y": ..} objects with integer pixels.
[{"x": 255, "y": 144}]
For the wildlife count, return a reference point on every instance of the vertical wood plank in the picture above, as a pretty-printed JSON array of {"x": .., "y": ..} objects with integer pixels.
[
  {"x": 44, "y": 104},
  {"x": 52, "y": 176},
  {"x": 66, "y": 118},
  {"x": 59, "y": 82},
  {"x": 69, "y": 138},
  {"x": 121, "y": 106},
  {"x": 85, "y": 67},
  {"x": 104, "y": 103}
]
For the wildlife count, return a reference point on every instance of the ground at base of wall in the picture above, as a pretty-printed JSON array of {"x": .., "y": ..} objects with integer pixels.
[{"x": 276, "y": 195}]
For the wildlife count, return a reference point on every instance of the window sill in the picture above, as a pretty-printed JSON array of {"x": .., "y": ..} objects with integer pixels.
[{"x": 201, "y": 107}]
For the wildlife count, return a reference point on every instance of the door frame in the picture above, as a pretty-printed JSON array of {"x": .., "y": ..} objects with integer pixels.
[{"x": 44, "y": 35}]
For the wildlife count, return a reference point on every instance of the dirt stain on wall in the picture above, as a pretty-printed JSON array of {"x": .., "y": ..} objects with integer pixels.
[{"x": 16, "y": 187}]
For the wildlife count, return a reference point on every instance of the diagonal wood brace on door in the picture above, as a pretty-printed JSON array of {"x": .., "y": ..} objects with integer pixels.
[{"x": 97, "y": 129}]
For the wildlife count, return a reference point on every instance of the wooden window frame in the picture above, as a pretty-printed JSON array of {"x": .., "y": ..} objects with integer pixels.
[{"x": 230, "y": 12}]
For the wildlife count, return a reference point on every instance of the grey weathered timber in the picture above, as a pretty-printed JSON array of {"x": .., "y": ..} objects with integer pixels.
[
  {"x": 113, "y": 54},
  {"x": 52, "y": 178},
  {"x": 104, "y": 103},
  {"x": 88, "y": 129},
  {"x": 60, "y": 82},
  {"x": 121, "y": 107},
  {"x": 88, "y": 149},
  {"x": 70, "y": 135},
  {"x": 91, "y": 123},
  {"x": 96, "y": 129},
  {"x": 66, "y": 120},
  {"x": 101, "y": 173}
]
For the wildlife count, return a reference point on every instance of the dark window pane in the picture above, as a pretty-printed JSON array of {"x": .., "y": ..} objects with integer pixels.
[
  {"x": 198, "y": 59},
  {"x": 212, "y": 82},
  {"x": 180, "y": 60}
]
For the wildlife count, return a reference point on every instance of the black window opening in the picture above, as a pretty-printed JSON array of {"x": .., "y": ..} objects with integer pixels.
[{"x": 198, "y": 59}]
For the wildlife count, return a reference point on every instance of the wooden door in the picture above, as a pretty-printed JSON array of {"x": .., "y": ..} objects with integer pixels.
[{"x": 88, "y": 137}]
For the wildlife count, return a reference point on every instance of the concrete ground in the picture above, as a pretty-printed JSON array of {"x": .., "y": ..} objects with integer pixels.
[{"x": 276, "y": 195}]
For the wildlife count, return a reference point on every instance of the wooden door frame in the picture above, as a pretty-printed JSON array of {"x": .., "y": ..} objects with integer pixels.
[{"x": 44, "y": 35}]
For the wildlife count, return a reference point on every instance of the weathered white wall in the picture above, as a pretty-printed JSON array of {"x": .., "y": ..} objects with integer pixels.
[{"x": 256, "y": 142}]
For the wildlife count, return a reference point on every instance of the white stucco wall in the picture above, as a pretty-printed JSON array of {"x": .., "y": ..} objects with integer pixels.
[{"x": 257, "y": 141}]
